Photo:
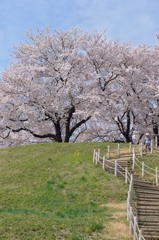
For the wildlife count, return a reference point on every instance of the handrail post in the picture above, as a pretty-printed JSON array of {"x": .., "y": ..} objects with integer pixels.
[
  {"x": 135, "y": 228},
  {"x": 132, "y": 182},
  {"x": 94, "y": 153},
  {"x": 130, "y": 148},
  {"x": 103, "y": 162},
  {"x": 108, "y": 154},
  {"x": 96, "y": 158},
  {"x": 140, "y": 234},
  {"x": 131, "y": 220},
  {"x": 133, "y": 159},
  {"x": 131, "y": 190},
  {"x": 141, "y": 149},
  {"x": 118, "y": 150},
  {"x": 126, "y": 175},
  {"x": 128, "y": 206},
  {"x": 156, "y": 141},
  {"x": 98, "y": 154},
  {"x": 130, "y": 197},
  {"x": 156, "y": 176},
  {"x": 143, "y": 168},
  {"x": 115, "y": 168}
]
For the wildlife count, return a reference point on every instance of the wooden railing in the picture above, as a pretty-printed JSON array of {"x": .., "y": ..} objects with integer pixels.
[
  {"x": 133, "y": 222},
  {"x": 145, "y": 169},
  {"x": 113, "y": 166}
]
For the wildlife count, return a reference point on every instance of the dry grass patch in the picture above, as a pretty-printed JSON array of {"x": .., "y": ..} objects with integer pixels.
[
  {"x": 118, "y": 228},
  {"x": 124, "y": 151},
  {"x": 119, "y": 206},
  {"x": 118, "y": 231}
]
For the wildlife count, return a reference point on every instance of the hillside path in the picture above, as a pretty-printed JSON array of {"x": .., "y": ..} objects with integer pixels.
[{"x": 147, "y": 208}]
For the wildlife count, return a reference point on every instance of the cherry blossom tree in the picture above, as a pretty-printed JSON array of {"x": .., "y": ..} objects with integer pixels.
[
  {"x": 128, "y": 104},
  {"x": 49, "y": 87},
  {"x": 43, "y": 86},
  {"x": 153, "y": 85},
  {"x": 69, "y": 83},
  {"x": 132, "y": 106}
]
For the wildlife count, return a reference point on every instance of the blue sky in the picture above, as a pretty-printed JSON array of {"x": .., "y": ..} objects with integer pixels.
[{"x": 136, "y": 21}]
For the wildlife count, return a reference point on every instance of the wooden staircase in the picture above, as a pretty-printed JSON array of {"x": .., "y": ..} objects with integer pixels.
[
  {"x": 147, "y": 208},
  {"x": 122, "y": 163},
  {"x": 147, "y": 198}
]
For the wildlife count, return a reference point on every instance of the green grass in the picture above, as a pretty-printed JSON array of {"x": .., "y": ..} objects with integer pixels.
[{"x": 53, "y": 191}]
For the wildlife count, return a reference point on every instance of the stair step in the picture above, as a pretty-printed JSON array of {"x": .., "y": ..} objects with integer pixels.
[{"x": 147, "y": 195}]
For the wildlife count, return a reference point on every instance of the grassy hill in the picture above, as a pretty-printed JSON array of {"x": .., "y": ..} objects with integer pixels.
[
  {"x": 53, "y": 191},
  {"x": 151, "y": 161}
]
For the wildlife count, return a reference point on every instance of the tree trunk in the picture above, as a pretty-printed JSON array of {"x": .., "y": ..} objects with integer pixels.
[
  {"x": 125, "y": 128},
  {"x": 58, "y": 137}
]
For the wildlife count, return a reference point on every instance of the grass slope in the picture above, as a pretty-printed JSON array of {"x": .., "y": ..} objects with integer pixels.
[
  {"x": 152, "y": 161},
  {"x": 53, "y": 191}
]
